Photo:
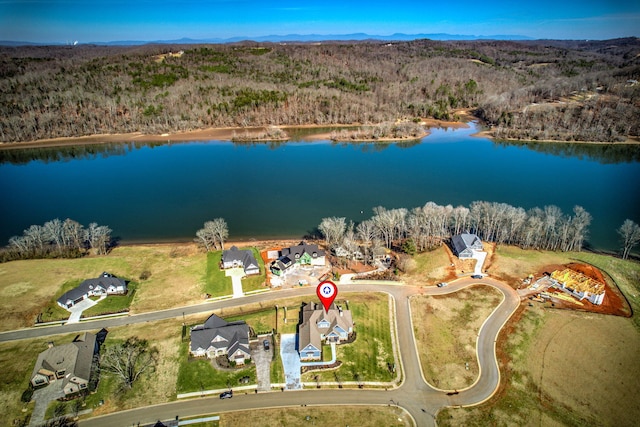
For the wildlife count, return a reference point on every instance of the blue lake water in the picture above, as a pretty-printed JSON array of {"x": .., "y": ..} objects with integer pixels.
[{"x": 162, "y": 192}]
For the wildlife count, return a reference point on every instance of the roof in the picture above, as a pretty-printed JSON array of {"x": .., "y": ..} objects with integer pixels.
[
  {"x": 302, "y": 248},
  {"x": 245, "y": 256},
  {"x": 235, "y": 335},
  {"x": 289, "y": 255},
  {"x": 104, "y": 281},
  {"x": 74, "y": 358},
  {"x": 312, "y": 314},
  {"x": 464, "y": 241}
]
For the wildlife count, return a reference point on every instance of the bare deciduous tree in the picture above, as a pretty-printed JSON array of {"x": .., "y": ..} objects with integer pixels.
[
  {"x": 213, "y": 234},
  {"x": 629, "y": 233},
  {"x": 333, "y": 230},
  {"x": 99, "y": 238},
  {"x": 129, "y": 360}
]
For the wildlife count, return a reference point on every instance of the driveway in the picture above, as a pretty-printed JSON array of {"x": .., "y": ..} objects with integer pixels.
[
  {"x": 479, "y": 256},
  {"x": 76, "y": 310},
  {"x": 236, "y": 275},
  {"x": 290, "y": 362},
  {"x": 262, "y": 359},
  {"x": 42, "y": 397}
]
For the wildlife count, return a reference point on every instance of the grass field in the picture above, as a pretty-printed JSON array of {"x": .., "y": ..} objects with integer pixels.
[
  {"x": 175, "y": 273},
  {"x": 564, "y": 367},
  {"x": 432, "y": 267},
  {"x": 446, "y": 328},
  {"x": 327, "y": 416}
]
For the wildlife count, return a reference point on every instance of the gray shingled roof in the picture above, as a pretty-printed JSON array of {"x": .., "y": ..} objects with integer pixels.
[
  {"x": 236, "y": 334},
  {"x": 463, "y": 241},
  {"x": 302, "y": 248},
  {"x": 83, "y": 288},
  {"x": 244, "y": 256},
  {"x": 74, "y": 358}
]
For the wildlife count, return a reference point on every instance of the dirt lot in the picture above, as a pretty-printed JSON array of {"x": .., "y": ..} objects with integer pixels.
[{"x": 614, "y": 302}]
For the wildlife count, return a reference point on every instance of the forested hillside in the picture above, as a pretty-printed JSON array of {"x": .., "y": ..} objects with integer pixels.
[{"x": 532, "y": 90}]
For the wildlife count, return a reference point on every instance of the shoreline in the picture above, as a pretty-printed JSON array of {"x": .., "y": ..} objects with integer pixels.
[
  {"x": 489, "y": 134},
  {"x": 229, "y": 133},
  {"x": 220, "y": 134}
]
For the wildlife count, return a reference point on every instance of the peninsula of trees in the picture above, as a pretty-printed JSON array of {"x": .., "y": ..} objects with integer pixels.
[{"x": 546, "y": 90}]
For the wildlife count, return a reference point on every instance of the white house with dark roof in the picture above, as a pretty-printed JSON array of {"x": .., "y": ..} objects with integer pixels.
[
  {"x": 217, "y": 337},
  {"x": 464, "y": 244},
  {"x": 319, "y": 326},
  {"x": 235, "y": 257},
  {"x": 106, "y": 284},
  {"x": 301, "y": 254},
  {"x": 70, "y": 363}
]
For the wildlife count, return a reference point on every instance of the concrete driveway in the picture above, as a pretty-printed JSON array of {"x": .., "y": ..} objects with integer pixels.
[
  {"x": 236, "y": 275},
  {"x": 76, "y": 310},
  {"x": 479, "y": 256},
  {"x": 290, "y": 362}
]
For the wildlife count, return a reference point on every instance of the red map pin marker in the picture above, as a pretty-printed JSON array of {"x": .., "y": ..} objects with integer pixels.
[{"x": 327, "y": 291}]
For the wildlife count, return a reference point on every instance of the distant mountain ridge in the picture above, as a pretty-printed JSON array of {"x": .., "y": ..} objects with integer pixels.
[{"x": 303, "y": 38}]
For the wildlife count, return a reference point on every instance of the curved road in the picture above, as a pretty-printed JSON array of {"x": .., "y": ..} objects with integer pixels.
[{"x": 415, "y": 395}]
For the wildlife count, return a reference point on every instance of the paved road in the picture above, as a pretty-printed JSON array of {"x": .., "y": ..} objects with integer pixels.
[{"x": 414, "y": 394}]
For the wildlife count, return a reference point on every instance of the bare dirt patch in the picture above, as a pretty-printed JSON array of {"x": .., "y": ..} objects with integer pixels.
[{"x": 614, "y": 302}]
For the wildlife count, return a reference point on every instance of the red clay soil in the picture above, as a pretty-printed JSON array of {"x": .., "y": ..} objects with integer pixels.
[{"x": 614, "y": 302}]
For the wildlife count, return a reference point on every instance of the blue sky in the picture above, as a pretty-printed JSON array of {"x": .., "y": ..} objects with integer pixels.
[{"x": 109, "y": 20}]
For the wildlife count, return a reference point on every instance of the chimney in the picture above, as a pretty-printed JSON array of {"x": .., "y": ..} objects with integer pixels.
[
  {"x": 50, "y": 344},
  {"x": 340, "y": 310}
]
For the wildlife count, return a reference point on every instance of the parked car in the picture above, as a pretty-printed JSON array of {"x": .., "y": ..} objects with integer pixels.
[
  {"x": 476, "y": 276},
  {"x": 442, "y": 284},
  {"x": 226, "y": 394},
  {"x": 265, "y": 343}
]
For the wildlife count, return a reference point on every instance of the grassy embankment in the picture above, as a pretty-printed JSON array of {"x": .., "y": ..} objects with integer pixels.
[{"x": 563, "y": 367}]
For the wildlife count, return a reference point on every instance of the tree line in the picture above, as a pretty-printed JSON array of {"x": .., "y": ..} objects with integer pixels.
[
  {"x": 587, "y": 88},
  {"x": 58, "y": 239},
  {"x": 426, "y": 227}
]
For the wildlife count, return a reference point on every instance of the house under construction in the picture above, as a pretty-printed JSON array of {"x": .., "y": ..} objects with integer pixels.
[{"x": 579, "y": 285}]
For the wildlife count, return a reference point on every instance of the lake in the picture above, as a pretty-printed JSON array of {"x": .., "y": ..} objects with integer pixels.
[{"x": 150, "y": 192}]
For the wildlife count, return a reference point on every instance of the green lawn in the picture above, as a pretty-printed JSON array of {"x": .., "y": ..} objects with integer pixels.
[
  {"x": 367, "y": 358},
  {"x": 217, "y": 284},
  {"x": 199, "y": 375},
  {"x": 53, "y": 311},
  {"x": 113, "y": 303},
  {"x": 277, "y": 369}
]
